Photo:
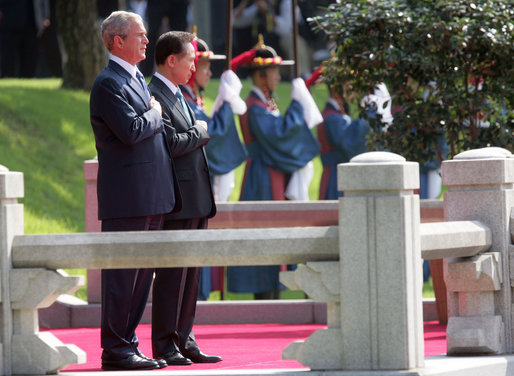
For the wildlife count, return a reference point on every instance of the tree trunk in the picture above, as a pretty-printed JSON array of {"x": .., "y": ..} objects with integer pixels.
[{"x": 85, "y": 55}]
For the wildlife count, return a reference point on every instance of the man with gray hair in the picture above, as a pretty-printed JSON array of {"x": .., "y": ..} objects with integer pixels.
[{"x": 136, "y": 181}]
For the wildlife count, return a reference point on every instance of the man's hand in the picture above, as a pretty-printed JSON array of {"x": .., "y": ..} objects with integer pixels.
[
  {"x": 202, "y": 123},
  {"x": 154, "y": 104}
]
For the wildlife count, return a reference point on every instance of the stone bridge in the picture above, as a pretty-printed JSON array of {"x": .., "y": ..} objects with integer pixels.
[{"x": 367, "y": 269}]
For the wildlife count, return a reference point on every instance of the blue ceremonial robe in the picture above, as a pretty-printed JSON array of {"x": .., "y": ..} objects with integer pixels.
[
  {"x": 278, "y": 145},
  {"x": 340, "y": 141}
]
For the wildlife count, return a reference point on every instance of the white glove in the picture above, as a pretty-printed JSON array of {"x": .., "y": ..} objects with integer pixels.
[
  {"x": 229, "y": 90},
  {"x": 300, "y": 93}
]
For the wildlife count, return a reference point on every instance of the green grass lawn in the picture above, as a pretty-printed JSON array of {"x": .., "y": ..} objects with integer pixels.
[{"x": 46, "y": 134}]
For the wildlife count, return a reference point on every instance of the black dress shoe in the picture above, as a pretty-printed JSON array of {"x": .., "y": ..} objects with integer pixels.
[
  {"x": 175, "y": 358},
  {"x": 160, "y": 362},
  {"x": 133, "y": 362},
  {"x": 199, "y": 357}
]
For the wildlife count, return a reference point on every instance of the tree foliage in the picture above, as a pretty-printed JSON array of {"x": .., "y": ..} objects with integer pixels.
[{"x": 448, "y": 65}]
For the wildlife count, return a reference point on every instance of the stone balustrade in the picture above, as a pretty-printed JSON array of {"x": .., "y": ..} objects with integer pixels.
[
  {"x": 480, "y": 188},
  {"x": 454, "y": 239},
  {"x": 367, "y": 269},
  {"x": 24, "y": 349},
  {"x": 177, "y": 248},
  {"x": 253, "y": 214}
]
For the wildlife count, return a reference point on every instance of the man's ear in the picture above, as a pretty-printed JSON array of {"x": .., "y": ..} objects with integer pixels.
[
  {"x": 171, "y": 61},
  {"x": 118, "y": 41}
]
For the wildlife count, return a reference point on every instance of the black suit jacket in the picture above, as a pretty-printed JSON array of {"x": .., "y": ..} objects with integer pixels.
[
  {"x": 135, "y": 169},
  {"x": 186, "y": 143}
]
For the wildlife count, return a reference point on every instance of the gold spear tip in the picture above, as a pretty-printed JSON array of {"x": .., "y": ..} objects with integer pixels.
[{"x": 260, "y": 42}]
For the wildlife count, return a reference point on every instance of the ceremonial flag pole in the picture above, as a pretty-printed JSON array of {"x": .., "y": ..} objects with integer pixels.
[
  {"x": 228, "y": 44},
  {"x": 295, "y": 40}
]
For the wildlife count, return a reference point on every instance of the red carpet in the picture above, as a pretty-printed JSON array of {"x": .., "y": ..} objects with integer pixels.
[
  {"x": 250, "y": 346},
  {"x": 435, "y": 338}
]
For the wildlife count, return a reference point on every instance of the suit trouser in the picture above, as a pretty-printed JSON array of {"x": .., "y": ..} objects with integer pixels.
[
  {"x": 18, "y": 53},
  {"x": 175, "y": 292},
  {"x": 124, "y": 294}
]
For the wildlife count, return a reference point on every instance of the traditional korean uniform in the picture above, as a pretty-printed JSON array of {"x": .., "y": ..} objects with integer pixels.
[{"x": 281, "y": 148}]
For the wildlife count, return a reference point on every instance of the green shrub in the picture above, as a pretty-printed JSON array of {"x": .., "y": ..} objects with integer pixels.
[{"x": 459, "y": 52}]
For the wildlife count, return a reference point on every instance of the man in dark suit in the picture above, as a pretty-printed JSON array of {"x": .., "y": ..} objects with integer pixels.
[
  {"x": 136, "y": 184},
  {"x": 21, "y": 24},
  {"x": 175, "y": 290}
]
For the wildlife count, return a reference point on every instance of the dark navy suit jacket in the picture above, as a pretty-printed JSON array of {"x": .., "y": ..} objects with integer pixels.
[
  {"x": 136, "y": 172},
  {"x": 186, "y": 142}
]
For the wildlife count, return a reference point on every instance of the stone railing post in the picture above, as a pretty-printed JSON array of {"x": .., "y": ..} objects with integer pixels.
[
  {"x": 380, "y": 263},
  {"x": 26, "y": 351},
  {"x": 480, "y": 187},
  {"x": 11, "y": 224}
]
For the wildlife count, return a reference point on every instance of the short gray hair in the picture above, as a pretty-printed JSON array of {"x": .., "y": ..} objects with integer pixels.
[{"x": 118, "y": 23}]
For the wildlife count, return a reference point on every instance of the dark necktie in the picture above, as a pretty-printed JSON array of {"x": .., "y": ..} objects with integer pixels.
[
  {"x": 142, "y": 81},
  {"x": 184, "y": 105}
]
